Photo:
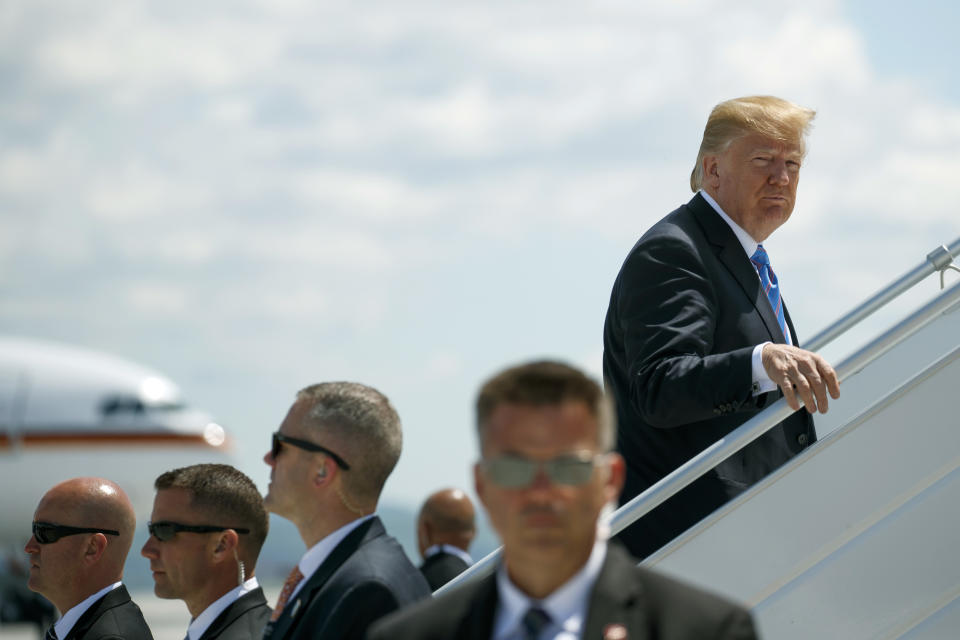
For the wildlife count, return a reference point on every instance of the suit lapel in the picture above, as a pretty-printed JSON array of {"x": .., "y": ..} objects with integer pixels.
[
  {"x": 239, "y": 607},
  {"x": 295, "y": 607},
  {"x": 730, "y": 252},
  {"x": 616, "y": 599},
  {"x": 112, "y": 599}
]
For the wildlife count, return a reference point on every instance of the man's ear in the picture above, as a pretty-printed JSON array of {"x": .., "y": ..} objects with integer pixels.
[
  {"x": 616, "y": 476},
  {"x": 711, "y": 171},
  {"x": 479, "y": 483},
  {"x": 322, "y": 473},
  {"x": 225, "y": 545},
  {"x": 95, "y": 548}
]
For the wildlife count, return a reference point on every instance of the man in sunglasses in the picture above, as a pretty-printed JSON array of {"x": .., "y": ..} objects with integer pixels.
[
  {"x": 206, "y": 530},
  {"x": 82, "y": 532},
  {"x": 546, "y": 472},
  {"x": 329, "y": 462}
]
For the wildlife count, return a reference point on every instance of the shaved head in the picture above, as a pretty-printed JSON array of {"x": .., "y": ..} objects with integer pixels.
[
  {"x": 73, "y": 567},
  {"x": 446, "y": 517}
]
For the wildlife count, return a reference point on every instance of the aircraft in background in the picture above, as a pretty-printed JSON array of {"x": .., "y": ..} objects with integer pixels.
[{"x": 67, "y": 411}]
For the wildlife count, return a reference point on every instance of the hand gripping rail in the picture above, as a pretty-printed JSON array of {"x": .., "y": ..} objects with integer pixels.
[{"x": 938, "y": 260}]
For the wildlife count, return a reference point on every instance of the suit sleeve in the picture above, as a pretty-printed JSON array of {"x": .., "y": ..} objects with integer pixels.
[{"x": 668, "y": 313}]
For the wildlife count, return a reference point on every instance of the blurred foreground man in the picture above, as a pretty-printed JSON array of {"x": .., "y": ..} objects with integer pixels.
[
  {"x": 697, "y": 338},
  {"x": 445, "y": 529},
  {"x": 546, "y": 472},
  {"x": 82, "y": 532},
  {"x": 329, "y": 462},
  {"x": 206, "y": 530}
]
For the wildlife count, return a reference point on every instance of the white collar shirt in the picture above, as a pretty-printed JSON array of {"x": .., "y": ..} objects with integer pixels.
[
  {"x": 566, "y": 606},
  {"x": 760, "y": 378},
  {"x": 319, "y": 552},
  {"x": 447, "y": 548},
  {"x": 202, "y": 622},
  {"x": 65, "y": 624}
]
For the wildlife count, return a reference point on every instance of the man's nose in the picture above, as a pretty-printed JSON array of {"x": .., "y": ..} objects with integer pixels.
[
  {"x": 32, "y": 545},
  {"x": 779, "y": 173},
  {"x": 269, "y": 459},
  {"x": 148, "y": 550}
]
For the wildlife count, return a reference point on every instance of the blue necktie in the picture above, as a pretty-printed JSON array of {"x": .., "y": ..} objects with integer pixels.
[
  {"x": 768, "y": 279},
  {"x": 535, "y": 620}
]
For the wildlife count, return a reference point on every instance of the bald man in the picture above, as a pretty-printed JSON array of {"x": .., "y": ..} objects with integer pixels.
[
  {"x": 82, "y": 531},
  {"x": 445, "y": 529}
]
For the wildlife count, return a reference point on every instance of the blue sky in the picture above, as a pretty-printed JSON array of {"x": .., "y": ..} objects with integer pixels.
[{"x": 255, "y": 196}]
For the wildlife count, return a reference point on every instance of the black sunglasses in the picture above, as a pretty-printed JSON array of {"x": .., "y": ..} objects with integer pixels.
[
  {"x": 279, "y": 440},
  {"x": 164, "y": 531},
  {"x": 47, "y": 533},
  {"x": 514, "y": 472}
]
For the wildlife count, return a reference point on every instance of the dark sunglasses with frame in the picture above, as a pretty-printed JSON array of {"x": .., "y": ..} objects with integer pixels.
[
  {"x": 48, "y": 533},
  {"x": 165, "y": 530},
  {"x": 516, "y": 472},
  {"x": 279, "y": 440}
]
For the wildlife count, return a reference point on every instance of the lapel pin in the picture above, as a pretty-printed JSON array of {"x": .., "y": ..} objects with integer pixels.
[{"x": 614, "y": 632}]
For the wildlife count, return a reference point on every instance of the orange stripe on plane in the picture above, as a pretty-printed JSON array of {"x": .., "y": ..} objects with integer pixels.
[{"x": 100, "y": 438}]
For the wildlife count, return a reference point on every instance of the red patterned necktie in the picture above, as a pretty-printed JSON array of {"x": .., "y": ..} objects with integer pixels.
[{"x": 292, "y": 581}]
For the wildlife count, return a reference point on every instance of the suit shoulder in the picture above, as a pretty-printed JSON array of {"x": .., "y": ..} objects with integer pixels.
[
  {"x": 671, "y": 601},
  {"x": 432, "y": 618},
  {"x": 124, "y": 622}
]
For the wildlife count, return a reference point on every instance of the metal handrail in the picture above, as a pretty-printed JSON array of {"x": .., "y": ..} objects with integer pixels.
[
  {"x": 940, "y": 259},
  {"x": 742, "y": 435}
]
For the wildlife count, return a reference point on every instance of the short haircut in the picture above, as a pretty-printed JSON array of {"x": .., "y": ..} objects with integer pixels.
[
  {"x": 768, "y": 116},
  {"x": 546, "y": 383},
  {"x": 365, "y": 428},
  {"x": 229, "y": 497}
]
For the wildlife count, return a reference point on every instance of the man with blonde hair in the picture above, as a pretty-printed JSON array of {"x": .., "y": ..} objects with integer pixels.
[
  {"x": 82, "y": 532},
  {"x": 697, "y": 338},
  {"x": 328, "y": 464}
]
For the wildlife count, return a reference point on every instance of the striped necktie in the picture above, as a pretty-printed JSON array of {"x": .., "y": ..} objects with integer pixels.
[
  {"x": 768, "y": 279},
  {"x": 51, "y": 634},
  {"x": 291, "y": 583},
  {"x": 534, "y": 621}
]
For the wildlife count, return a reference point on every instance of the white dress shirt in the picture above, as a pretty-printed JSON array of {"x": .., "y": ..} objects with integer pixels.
[
  {"x": 448, "y": 548},
  {"x": 319, "y": 552},
  {"x": 761, "y": 381},
  {"x": 200, "y": 624},
  {"x": 566, "y": 606},
  {"x": 67, "y": 620}
]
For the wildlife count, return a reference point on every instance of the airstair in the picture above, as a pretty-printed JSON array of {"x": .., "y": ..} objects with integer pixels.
[{"x": 859, "y": 535}]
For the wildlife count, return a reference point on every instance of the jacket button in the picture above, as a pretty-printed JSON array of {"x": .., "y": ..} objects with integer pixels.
[{"x": 802, "y": 439}]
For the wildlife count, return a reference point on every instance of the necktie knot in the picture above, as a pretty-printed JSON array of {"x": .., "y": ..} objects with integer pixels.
[
  {"x": 51, "y": 634},
  {"x": 535, "y": 620},
  {"x": 760, "y": 257},
  {"x": 288, "y": 586}
]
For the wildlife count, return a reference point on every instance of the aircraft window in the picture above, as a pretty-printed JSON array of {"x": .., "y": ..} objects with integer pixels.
[{"x": 121, "y": 404}]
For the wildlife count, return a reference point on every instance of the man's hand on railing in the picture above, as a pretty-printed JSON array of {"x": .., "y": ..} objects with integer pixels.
[{"x": 801, "y": 375}]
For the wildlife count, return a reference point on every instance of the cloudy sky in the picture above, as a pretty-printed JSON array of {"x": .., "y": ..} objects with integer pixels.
[{"x": 254, "y": 196}]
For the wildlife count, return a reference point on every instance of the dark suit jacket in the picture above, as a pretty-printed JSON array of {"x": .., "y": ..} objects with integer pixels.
[
  {"x": 649, "y": 605},
  {"x": 242, "y": 620},
  {"x": 366, "y": 577},
  {"x": 441, "y": 568},
  {"x": 113, "y": 617},
  {"x": 685, "y": 313}
]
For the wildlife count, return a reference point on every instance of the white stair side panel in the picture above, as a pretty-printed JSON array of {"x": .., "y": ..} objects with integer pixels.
[{"x": 793, "y": 524}]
